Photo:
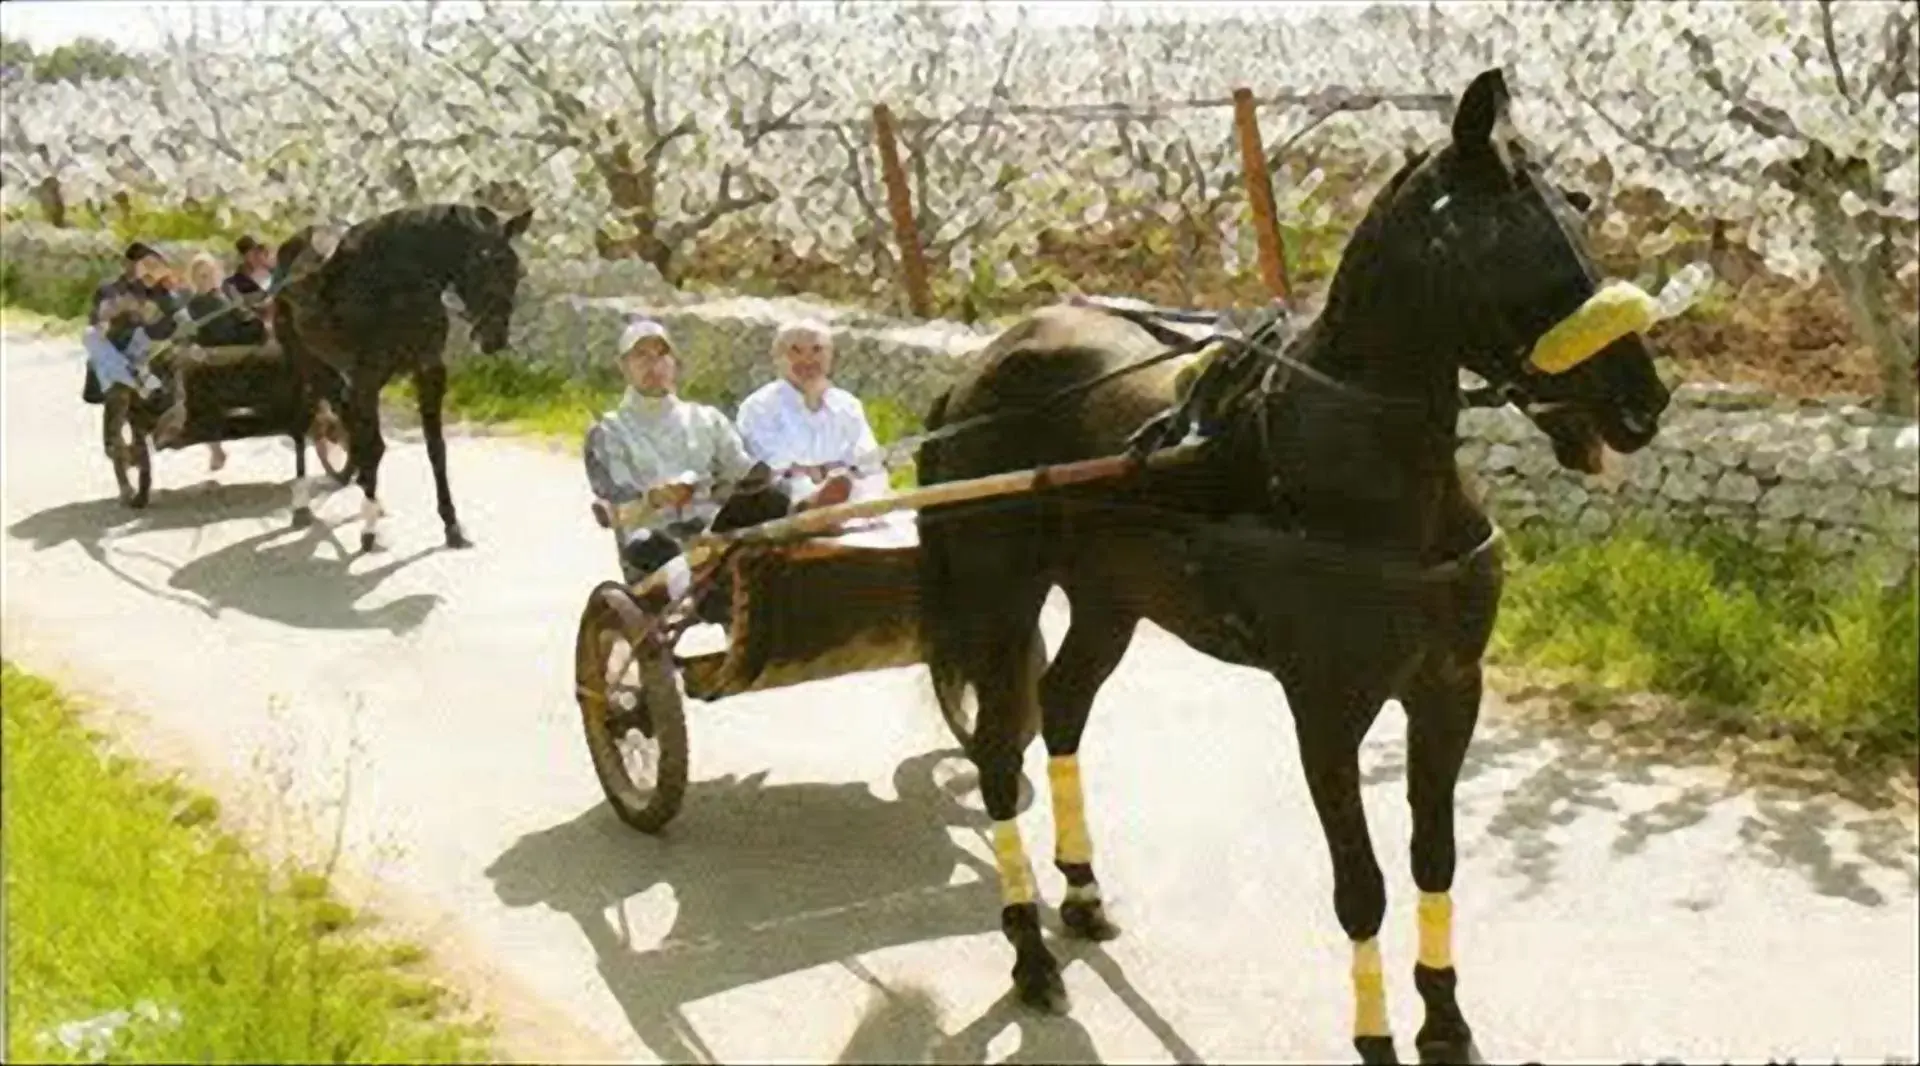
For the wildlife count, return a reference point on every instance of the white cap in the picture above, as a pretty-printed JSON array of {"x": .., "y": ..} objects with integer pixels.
[{"x": 638, "y": 330}]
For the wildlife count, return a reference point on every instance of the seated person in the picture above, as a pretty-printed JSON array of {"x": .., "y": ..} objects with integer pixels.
[
  {"x": 681, "y": 459},
  {"x": 812, "y": 433},
  {"x": 219, "y": 321},
  {"x": 249, "y": 284},
  {"x": 117, "y": 337}
]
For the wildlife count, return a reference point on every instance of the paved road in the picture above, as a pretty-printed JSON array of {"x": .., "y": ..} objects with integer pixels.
[{"x": 822, "y": 897}]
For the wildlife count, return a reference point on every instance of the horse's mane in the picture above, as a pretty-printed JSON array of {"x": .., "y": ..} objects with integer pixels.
[{"x": 407, "y": 250}]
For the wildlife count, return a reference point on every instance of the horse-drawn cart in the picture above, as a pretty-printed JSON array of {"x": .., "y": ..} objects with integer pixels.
[
  {"x": 214, "y": 395},
  {"x": 820, "y": 594}
]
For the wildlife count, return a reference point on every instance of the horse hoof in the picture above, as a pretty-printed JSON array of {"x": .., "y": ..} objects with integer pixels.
[
  {"x": 1450, "y": 1051},
  {"x": 302, "y": 517},
  {"x": 1041, "y": 989},
  {"x": 1087, "y": 921},
  {"x": 1376, "y": 1049},
  {"x": 368, "y": 544},
  {"x": 457, "y": 539}
]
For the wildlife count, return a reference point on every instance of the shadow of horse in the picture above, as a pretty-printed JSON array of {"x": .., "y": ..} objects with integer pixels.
[
  {"x": 904, "y": 1023},
  {"x": 280, "y": 576},
  {"x": 95, "y": 525},
  {"x": 768, "y": 881},
  {"x": 287, "y": 581}
]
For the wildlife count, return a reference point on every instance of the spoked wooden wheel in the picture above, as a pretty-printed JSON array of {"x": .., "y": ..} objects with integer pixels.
[
  {"x": 631, "y": 706},
  {"x": 960, "y": 705},
  {"x": 127, "y": 446}
]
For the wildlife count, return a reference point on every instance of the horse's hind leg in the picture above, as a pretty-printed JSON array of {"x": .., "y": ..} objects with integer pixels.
[
  {"x": 366, "y": 447},
  {"x": 302, "y": 422},
  {"x": 1443, "y": 704},
  {"x": 1094, "y": 645},
  {"x": 1331, "y": 719},
  {"x": 998, "y": 650},
  {"x": 432, "y": 381}
]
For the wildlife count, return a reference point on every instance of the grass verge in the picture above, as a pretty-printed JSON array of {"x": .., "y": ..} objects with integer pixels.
[
  {"x": 140, "y": 932},
  {"x": 1772, "y": 643},
  {"x": 25, "y": 320}
]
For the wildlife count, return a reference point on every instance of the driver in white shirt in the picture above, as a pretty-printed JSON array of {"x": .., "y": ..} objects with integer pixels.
[
  {"x": 812, "y": 433},
  {"x": 684, "y": 460}
]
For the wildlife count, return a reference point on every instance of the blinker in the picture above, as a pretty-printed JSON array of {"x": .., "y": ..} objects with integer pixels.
[{"x": 1619, "y": 308}]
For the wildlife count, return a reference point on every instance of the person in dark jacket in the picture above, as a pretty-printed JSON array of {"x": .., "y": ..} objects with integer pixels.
[
  {"x": 129, "y": 312},
  {"x": 254, "y": 279}
]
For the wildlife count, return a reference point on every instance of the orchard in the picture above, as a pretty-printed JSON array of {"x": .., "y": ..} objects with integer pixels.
[{"x": 733, "y": 145}]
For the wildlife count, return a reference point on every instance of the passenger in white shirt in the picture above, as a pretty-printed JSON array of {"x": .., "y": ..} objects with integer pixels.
[
  {"x": 812, "y": 433},
  {"x": 684, "y": 460}
]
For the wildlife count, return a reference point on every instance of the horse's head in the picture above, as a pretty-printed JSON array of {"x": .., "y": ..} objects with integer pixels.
[
  {"x": 487, "y": 279},
  {"x": 1472, "y": 246}
]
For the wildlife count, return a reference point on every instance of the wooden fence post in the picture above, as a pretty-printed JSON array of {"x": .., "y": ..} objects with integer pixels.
[
  {"x": 900, "y": 201},
  {"x": 1266, "y": 227}
]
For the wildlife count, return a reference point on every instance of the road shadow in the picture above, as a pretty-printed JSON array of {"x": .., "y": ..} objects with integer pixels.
[
  {"x": 1844, "y": 838},
  {"x": 283, "y": 577},
  {"x": 278, "y": 574},
  {"x": 100, "y": 527},
  {"x": 903, "y": 1024},
  {"x": 770, "y": 880}
]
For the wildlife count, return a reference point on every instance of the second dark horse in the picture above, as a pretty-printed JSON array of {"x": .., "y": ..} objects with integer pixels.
[
  {"x": 1325, "y": 534},
  {"x": 377, "y": 307}
]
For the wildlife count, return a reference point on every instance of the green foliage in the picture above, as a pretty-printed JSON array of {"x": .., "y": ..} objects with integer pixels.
[
  {"x": 82, "y": 60},
  {"x": 1825, "y": 651},
  {"x": 530, "y": 397},
  {"x": 121, "y": 892},
  {"x": 145, "y": 219},
  {"x": 58, "y": 295}
]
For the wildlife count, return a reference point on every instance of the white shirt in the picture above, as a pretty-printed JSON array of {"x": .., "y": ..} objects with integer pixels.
[
  {"x": 652, "y": 440},
  {"x": 782, "y": 431}
]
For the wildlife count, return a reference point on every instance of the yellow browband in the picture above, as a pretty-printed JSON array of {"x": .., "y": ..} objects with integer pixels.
[{"x": 1619, "y": 308}]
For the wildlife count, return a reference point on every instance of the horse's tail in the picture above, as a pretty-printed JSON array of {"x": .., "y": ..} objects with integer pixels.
[{"x": 940, "y": 640}]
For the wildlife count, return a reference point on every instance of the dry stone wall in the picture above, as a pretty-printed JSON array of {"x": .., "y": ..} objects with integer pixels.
[{"x": 1832, "y": 472}]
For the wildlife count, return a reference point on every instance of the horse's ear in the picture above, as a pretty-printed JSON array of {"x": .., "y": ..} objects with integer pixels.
[
  {"x": 1482, "y": 107},
  {"x": 518, "y": 224}
]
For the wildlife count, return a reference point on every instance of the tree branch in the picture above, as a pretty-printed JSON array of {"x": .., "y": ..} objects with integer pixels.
[
  {"x": 1833, "y": 52},
  {"x": 1758, "y": 117}
]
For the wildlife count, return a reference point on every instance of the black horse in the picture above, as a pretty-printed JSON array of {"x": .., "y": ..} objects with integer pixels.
[
  {"x": 378, "y": 307},
  {"x": 1324, "y": 534}
]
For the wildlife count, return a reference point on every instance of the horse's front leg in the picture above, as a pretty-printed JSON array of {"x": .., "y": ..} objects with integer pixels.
[
  {"x": 1330, "y": 719},
  {"x": 1443, "y": 705},
  {"x": 365, "y": 448},
  {"x": 432, "y": 382},
  {"x": 1095, "y": 642}
]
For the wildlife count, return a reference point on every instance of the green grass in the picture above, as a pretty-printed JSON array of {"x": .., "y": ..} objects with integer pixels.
[
  {"x": 1779, "y": 642},
  {"x": 25, "y": 320},
  {"x": 123, "y": 896}
]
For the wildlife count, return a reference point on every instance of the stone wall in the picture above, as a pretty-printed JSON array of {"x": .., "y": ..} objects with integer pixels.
[{"x": 1829, "y": 471}]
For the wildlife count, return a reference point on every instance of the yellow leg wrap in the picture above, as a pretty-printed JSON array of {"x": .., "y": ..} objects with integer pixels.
[
  {"x": 1436, "y": 930},
  {"x": 1069, "y": 811},
  {"x": 1016, "y": 877},
  {"x": 1369, "y": 990}
]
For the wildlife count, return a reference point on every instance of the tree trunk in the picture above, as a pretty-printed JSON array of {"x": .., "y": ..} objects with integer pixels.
[
  {"x": 1864, "y": 289},
  {"x": 52, "y": 203}
]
